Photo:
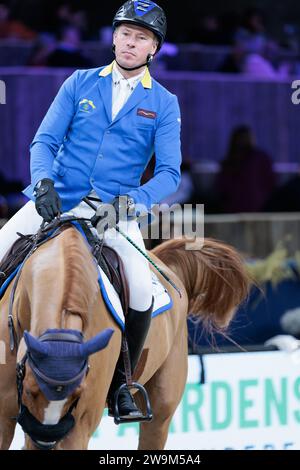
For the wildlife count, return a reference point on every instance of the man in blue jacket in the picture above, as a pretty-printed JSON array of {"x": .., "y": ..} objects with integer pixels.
[{"x": 96, "y": 140}]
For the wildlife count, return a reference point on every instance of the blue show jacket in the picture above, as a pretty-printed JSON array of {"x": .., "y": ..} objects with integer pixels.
[{"x": 81, "y": 148}]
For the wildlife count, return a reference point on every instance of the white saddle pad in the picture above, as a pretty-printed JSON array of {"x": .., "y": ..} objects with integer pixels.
[{"x": 162, "y": 299}]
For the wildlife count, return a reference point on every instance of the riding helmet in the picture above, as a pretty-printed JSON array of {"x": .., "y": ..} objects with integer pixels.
[{"x": 143, "y": 13}]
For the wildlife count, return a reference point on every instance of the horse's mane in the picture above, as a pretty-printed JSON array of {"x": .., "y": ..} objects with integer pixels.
[
  {"x": 214, "y": 275},
  {"x": 80, "y": 274}
]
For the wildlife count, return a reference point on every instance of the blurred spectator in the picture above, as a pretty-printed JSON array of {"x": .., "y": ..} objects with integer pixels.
[
  {"x": 214, "y": 30},
  {"x": 246, "y": 178},
  {"x": 229, "y": 22},
  {"x": 290, "y": 39},
  {"x": 286, "y": 198},
  {"x": 251, "y": 36},
  {"x": 105, "y": 35},
  {"x": 70, "y": 14},
  {"x": 208, "y": 31},
  {"x": 168, "y": 50},
  {"x": 233, "y": 62},
  {"x": 258, "y": 66},
  {"x": 67, "y": 52},
  {"x": 257, "y": 49},
  {"x": 43, "y": 47},
  {"x": 11, "y": 197},
  {"x": 13, "y": 29}
]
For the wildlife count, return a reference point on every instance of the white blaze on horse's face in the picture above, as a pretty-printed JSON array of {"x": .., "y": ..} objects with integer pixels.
[{"x": 53, "y": 411}]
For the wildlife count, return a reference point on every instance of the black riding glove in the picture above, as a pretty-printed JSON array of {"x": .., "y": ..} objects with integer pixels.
[
  {"x": 47, "y": 202},
  {"x": 124, "y": 207}
]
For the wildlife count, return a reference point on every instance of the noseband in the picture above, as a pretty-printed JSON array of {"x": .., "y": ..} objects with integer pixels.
[{"x": 46, "y": 436}]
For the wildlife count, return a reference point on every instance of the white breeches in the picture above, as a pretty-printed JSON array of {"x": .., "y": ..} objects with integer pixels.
[{"x": 27, "y": 221}]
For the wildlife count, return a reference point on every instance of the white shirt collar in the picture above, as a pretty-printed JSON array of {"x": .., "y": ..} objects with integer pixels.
[{"x": 117, "y": 77}]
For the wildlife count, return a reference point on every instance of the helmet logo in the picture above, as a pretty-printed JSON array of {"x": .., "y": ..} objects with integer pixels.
[{"x": 141, "y": 7}]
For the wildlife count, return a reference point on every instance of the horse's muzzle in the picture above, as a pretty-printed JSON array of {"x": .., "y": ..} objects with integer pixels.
[{"x": 45, "y": 436}]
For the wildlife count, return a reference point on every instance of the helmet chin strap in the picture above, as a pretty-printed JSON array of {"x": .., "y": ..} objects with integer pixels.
[{"x": 129, "y": 69}]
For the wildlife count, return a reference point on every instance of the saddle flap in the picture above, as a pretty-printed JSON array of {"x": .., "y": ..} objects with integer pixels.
[
  {"x": 111, "y": 263},
  {"x": 117, "y": 275},
  {"x": 15, "y": 256}
]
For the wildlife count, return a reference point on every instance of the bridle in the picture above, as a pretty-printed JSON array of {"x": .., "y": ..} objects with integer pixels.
[{"x": 46, "y": 436}]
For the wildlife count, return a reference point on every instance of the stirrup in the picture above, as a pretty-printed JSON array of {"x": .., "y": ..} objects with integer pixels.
[{"x": 119, "y": 419}]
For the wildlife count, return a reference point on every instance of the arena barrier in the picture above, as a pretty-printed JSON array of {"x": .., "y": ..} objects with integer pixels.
[{"x": 249, "y": 401}]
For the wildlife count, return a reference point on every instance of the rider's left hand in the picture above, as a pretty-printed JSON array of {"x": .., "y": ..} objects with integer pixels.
[
  {"x": 109, "y": 215},
  {"x": 124, "y": 207}
]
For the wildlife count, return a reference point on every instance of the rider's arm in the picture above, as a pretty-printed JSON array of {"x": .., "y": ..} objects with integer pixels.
[
  {"x": 52, "y": 131},
  {"x": 168, "y": 159}
]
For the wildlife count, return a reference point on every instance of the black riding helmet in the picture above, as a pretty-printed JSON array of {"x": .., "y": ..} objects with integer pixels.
[
  {"x": 143, "y": 13},
  {"x": 146, "y": 14}
]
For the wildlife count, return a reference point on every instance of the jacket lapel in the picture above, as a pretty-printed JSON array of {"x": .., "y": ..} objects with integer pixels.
[
  {"x": 105, "y": 89},
  {"x": 135, "y": 98}
]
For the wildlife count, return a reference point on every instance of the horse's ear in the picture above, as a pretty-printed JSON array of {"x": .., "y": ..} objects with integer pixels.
[
  {"x": 34, "y": 345},
  {"x": 96, "y": 343}
]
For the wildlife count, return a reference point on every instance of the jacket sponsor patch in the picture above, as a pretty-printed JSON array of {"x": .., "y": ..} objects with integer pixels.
[
  {"x": 147, "y": 114},
  {"x": 86, "y": 105}
]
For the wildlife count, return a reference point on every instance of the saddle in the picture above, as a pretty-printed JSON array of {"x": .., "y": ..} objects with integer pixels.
[
  {"x": 15, "y": 256},
  {"x": 112, "y": 265},
  {"x": 107, "y": 258}
]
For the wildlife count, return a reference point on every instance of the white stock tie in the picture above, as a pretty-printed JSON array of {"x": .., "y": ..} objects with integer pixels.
[{"x": 122, "y": 92}]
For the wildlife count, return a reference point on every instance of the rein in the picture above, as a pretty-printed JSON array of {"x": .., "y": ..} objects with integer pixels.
[
  {"x": 40, "y": 238},
  {"x": 43, "y": 436}
]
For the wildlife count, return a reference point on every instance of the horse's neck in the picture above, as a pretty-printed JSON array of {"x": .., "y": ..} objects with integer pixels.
[
  {"x": 46, "y": 303},
  {"x": 60, "y": 284}
]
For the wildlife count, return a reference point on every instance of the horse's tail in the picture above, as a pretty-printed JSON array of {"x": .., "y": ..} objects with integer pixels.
[{"x": 214, "y": 275}]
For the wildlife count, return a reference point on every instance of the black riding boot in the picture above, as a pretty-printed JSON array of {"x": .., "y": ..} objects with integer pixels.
[{"x": 136, "y": 327}]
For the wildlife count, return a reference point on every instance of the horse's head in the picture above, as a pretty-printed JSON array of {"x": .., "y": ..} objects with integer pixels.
[{"x": 51, "y": 386}]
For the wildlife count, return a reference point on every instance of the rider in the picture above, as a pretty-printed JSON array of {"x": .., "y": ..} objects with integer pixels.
[{"x": 96, "y": 140}]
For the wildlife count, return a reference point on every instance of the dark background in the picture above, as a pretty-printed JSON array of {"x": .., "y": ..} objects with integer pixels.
[{"x": 182, "y": 17}]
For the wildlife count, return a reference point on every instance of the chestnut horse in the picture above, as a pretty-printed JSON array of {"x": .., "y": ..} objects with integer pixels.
[{"x": 58, "y": 290}]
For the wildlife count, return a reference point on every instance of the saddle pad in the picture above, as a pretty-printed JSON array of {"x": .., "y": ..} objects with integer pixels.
[{"x": 162, "y": 299}]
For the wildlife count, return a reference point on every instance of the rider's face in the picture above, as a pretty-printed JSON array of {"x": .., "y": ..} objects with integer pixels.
[{"x": 133, "y": 44}]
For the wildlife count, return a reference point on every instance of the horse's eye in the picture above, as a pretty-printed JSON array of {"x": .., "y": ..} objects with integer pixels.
[{"x": 31, "y": 393}]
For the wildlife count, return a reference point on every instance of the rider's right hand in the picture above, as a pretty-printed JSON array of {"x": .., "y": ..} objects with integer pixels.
[{"x": 47, "y": 202}]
